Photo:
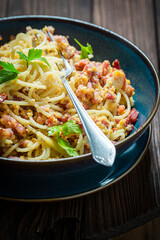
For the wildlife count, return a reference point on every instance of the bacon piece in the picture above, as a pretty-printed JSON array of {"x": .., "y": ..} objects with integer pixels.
[
  {"x": 105, "y": 67},
  {"x": 129, "y": 90},
  {"x": 81, "y": 64},
  {"x": 120, "y": 109},
  {"x": 84, "y": 92},
  {"x": 102, "y": 80},
  {"x": 67, "y": 50},
  {"x": 117, "y": 120},
  {"x": 133, "y": 115},
  {"x": 78, "y": 52},
  {"x": 39, "y": 118},
  {"x": 1, "y": 37},
  {"x": 85, "y": 105},
  {"x": 6, "y": 133},
  {"x": 51, "y": 121},
  {"x": 64, "y": 118},
  {"x": 109, "y": 96},
  {"x": 10, "y": 122},
  {"x": 3, "y": 97},
  {"x": 24, "y": 143},
  {"x": 116, "y": 64}
]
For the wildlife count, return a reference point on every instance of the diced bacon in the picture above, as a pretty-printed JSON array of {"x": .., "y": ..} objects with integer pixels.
[
  {"x": 64, "y": 104},
  {"x": 109, "y": 96},
  {"x": 1, "y": 37},
  {"x": 78, "y": 52},
  {"x": 6, "y": 133},
  {"x": 133, "y": 115},
  {"x": 51, "y": 121},
  {"x": 120, "y": 109},
  {"x": 79, "y": 123},
  {"x": 129, "y": 90},
  {"x": 10, "y": 122},
  {"x": 102, "y": 80},
  {"x": 85, "y": 92},
  {"x": 95, "y": 100},
  {"x": 3, "y": 97},
  {"x": 116, "y": 64},
  {"x": 39, "y": 118},
  {"x": 117, "y": 120},
  {"x": 105, "y": 67},
  {"x": 64, "y": 118},
  {"x": 24, "y": 143},
  {"x": 85, "y": 105},
  {"x": 79, "y": 66},
  {"x": 67, "y": 50}
]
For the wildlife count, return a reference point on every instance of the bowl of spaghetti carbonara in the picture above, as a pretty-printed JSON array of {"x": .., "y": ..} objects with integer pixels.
[{"x": 38, "y": 121}]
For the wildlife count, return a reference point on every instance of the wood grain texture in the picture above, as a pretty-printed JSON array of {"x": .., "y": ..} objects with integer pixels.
[
  {"x": 68, "y": 8},
  {"x": 132, "y": 19},
  {"x": 134, "y": 199},
  {"x": 156, "y": 130},
  {"x": 157, "y": 24},
  {"x": 4, "y": 9},
  {"x": 149, "y": 231}
]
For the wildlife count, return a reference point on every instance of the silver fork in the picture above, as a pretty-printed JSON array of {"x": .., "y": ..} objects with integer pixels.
[{"x": 103, "y": 150}]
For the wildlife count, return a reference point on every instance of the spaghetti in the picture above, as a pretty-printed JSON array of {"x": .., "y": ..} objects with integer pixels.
[{"x": 37, "y": 100}]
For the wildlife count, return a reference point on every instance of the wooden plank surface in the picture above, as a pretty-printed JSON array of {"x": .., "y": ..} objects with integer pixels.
[
  {"x": 4, "y": 9},
  {"x": 136, "y": 196},
  {"x": 68, "y": 8}
]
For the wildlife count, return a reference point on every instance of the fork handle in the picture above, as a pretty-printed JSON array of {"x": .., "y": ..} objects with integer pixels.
[{"x": 103, "y": 150}]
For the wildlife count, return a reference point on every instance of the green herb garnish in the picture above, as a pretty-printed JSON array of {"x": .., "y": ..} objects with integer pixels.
[
  {"x": 67, "y": 128},
  {"x": 85, "y": 51},
  {"x": 8, "y": 72},
  {"x": 33, "y": 54}
]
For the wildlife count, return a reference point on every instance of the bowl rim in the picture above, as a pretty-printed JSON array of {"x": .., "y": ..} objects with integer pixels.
[{"x": 116, "y": 36}]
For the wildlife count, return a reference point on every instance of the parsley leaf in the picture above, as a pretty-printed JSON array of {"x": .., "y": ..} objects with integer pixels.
[
  {"x": 67, "y": 128},
  {"x": 33, "y": 54},
  {"x": 65, "y": 145},
  {"x": 85, "y": 51},
  {"x": 71, "y": 127},
  {"x": 53, "y": 130},
  {"x": 8, "y": 72}
]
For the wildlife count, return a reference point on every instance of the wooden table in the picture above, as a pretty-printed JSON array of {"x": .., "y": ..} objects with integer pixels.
[{"x": 133, "y": 200}]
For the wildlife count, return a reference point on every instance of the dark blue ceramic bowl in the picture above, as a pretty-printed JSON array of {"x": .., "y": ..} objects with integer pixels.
[{"x": 106, "y": 45}]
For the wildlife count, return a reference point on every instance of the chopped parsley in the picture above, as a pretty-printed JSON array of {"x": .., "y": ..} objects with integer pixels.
[{"x": 67, "y": 128}]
